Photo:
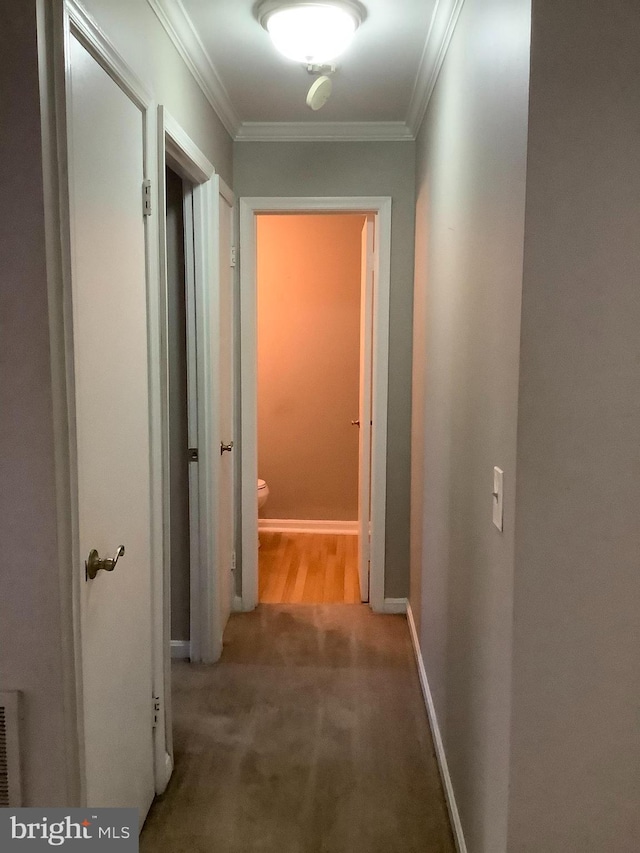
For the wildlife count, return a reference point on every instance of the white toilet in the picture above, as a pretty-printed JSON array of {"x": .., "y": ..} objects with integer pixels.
[{"x": 263, "y": 493}]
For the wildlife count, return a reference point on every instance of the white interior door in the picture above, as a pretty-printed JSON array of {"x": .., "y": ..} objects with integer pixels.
[
  {"x": 192, "y": 422},
  {"x": 364, "y": 411},
  {"x": 113, "y": 443},
  {"x": 226, "y": 525}
]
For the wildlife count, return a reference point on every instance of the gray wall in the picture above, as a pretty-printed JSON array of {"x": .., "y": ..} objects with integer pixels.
[
  {"x": 178, "y": 407},
  {"x": 31, "y": 656},
  {"x": 375, "y": 169},
  {"x": 471, "y": 161},
  {"x": 530, "y": 638},
  {"x": 136, "y": 32},
  {"x": 575, "y": 766}
]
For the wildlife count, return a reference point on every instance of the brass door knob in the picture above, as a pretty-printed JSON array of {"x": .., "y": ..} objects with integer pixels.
[{"x": 95, "y": 564}]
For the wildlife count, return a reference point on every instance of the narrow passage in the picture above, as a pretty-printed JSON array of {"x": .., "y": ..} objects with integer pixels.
[{"x": 308, "y": 736}]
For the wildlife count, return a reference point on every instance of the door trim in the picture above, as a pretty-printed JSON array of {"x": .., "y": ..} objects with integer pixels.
[
  {"x": 53, "y": 27},
  {"x": 368, "y": 276},
  {"x": 380, "y": 207}
]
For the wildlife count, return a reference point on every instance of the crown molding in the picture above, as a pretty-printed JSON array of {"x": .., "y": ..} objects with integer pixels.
[
  {"x": 180, "y": 29},
  {"x": 324, "y": 131},
  {"x": 441, "y": 29},
  {"x": 178, "y": 26}
]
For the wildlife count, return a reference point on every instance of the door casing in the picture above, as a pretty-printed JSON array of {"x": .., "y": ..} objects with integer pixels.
[
  {"x": 250, "y": 208},
  {"x": 368, "y": 289}
]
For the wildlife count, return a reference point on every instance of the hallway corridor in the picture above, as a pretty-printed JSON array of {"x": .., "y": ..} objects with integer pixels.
[{"x": 309, "y": 736}]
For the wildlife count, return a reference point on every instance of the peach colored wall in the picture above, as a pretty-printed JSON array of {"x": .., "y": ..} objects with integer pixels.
[{"x": 308, "y": 364}]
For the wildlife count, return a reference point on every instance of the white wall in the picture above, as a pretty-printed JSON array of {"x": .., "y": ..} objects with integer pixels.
[
  {"x": 136, "y": 32},
  {"x": 471, "y": 161},
  {"x": 360, "y": 169},
  {"x": 530, "y": 638},
  {"x": 575, "y": 764}
]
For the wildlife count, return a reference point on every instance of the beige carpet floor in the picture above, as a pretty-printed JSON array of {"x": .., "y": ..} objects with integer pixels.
[{"x": 308, "y": 736}]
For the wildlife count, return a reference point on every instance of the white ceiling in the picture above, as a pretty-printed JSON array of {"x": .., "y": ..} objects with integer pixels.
[
  {"x": 374, "y": 80},
  {"x": 381, "y": 86}
]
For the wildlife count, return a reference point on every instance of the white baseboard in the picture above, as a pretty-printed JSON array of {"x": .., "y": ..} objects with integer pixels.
[
  {"x": 236, "y": 604},
  {"x": 167, "y": 770},
  {"x": 395, "y": 605},
  {"x": 164, "y": 774},
  {"x": 180, "y": 649},
  {"x": 295, "y": 525},
  {"x": 437, "y": 737}
]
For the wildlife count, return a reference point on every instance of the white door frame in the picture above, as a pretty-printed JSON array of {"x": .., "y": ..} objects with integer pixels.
[
  {"x": 380, "y": 207},
  {"x": 367, "y": 293}
]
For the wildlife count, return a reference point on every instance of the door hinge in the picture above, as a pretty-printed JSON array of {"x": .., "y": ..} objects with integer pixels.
[
  {"x": 233, "y": 561},
  {"x": 146, "y": 197},
  {"x": 234, "y": 256},
  {"x": 156, "y": 710},
  {"x": 192, "y": 454}
]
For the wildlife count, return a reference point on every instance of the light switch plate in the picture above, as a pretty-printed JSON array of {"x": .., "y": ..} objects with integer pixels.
[{"x": 498, "y": 492}]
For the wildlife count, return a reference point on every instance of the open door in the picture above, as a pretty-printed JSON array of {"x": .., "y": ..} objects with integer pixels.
[
  {"x": 364, "y": 409},
  {"x": 192, "y": 451},
  {"x": 226, "y": 520},
  {"x": 113, "y": 430}
]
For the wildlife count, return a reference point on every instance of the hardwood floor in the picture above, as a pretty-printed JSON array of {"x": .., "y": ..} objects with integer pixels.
[{"x": 308, "y": 568}]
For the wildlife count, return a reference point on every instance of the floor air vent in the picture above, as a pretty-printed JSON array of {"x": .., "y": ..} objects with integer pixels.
[{"x": 10, "y": 789}]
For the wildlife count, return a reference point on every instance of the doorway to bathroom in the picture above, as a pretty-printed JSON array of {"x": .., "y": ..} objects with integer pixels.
[
  {"x": 309, "y": 295},
  {"x": 314, "y": 352}
]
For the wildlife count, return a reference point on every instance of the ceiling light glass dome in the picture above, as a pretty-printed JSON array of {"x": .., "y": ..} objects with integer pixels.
[{"x": 309, "y": 32}]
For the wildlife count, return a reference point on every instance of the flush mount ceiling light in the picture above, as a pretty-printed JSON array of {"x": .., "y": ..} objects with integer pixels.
[{"x": 311, "y": 31}]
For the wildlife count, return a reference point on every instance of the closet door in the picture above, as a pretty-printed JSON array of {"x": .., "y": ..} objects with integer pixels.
[{"x": 109, "y": 293}]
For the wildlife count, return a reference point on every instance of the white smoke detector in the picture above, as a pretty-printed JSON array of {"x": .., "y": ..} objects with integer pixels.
[{"x": 319, "y": 93}]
